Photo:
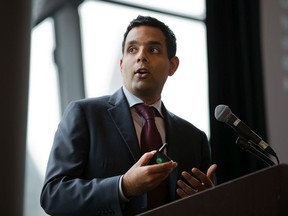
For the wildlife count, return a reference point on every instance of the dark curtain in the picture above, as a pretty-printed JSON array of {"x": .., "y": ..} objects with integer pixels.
[{"x": 235, "y": 79}]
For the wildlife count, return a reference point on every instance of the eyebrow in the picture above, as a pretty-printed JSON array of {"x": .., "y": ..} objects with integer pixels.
[{"x": 133, "y": 42}]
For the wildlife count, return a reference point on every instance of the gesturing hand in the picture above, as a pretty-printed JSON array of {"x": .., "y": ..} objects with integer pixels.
[
  {"x": 141, "y": 178},
  {"x": 198, "y": 183}
]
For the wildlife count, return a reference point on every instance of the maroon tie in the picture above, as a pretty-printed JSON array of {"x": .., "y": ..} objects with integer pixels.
[
  {"x": 151, "y": 140},
  {"x": 150, "y": 137}
]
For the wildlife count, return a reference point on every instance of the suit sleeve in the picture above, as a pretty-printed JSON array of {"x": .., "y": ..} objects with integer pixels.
[{"x": 67, "y": 189}]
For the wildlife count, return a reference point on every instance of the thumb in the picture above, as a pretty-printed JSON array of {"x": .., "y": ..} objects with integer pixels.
[{"x": 145, "y": 158}]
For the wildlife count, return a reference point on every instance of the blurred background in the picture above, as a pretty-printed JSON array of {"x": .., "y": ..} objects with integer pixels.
[{"x": 231, "y": 52}]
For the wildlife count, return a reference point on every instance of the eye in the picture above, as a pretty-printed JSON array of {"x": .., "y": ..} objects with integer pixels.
[
  {"x": 131, "y": 50},
  {"x": 154, "y": 50}
]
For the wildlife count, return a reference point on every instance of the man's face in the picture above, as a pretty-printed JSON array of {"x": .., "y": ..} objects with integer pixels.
[{"x": 145, "y": 65}]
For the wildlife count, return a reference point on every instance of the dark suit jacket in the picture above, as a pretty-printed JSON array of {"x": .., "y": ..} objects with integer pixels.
[{"x": 95, "y": 144}]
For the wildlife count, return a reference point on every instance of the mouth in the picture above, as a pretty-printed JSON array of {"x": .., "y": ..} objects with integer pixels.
[{"x": 142, "y": 71}]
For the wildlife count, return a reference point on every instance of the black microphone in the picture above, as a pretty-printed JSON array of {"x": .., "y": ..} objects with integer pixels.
[{"x": 224, "y": 114}]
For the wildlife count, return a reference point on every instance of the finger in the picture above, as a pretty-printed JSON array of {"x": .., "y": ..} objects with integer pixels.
[
  {"x": 186, "y": 188},
  {"x": 157, "y": 173},
  {"x": 181, "y": 193},
  {"x": 211, "y": 172},
  {"x": 204, "y": 180},
  {"x": 194, "y": 182},
  {"x": 166, "y": 167}
]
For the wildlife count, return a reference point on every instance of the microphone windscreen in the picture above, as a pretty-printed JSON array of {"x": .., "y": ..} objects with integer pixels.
[{"x": 222, "y": 113}]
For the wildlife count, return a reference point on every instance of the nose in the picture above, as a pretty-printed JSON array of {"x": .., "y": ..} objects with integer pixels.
[{"x": 142, "y": 57}]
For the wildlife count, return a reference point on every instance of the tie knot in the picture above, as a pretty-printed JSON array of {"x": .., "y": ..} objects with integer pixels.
[{"x": 147, "y": 112}]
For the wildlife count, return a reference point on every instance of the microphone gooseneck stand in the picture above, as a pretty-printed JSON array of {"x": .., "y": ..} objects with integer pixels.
[{"x": 250, "y": 147}]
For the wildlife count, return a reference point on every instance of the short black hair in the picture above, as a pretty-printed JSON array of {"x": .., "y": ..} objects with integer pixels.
[{"x": 151, "y": 21}]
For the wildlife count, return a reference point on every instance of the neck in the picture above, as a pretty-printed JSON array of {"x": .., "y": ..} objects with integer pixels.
[
  {"x": 149, "y": 100},
  {"x": 147, "y": 97}
]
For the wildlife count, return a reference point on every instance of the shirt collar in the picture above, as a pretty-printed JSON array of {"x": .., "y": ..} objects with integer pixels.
[{"x": 133, "y": 100}]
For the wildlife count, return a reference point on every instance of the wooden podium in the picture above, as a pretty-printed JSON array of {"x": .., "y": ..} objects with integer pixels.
[{"x": 264, "y": 192}]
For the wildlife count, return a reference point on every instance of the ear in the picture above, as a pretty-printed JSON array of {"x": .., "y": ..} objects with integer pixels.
[
  {"x": 174, "y": 63},
  {"x": 121, "y": 63}
]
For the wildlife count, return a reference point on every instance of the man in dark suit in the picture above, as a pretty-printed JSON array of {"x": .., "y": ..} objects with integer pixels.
[{"x": 96, "y": 166}]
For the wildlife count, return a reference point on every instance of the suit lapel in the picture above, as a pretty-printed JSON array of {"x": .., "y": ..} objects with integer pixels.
[{"x": 120, "y": 114}]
